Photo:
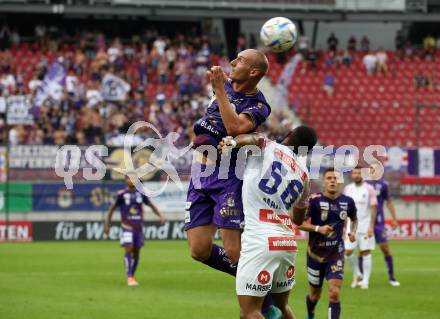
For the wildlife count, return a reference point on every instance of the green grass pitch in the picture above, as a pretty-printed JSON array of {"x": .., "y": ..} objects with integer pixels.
[{"x": 85, "y": 280}]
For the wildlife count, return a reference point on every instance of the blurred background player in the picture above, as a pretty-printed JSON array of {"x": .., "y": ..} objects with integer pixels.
[
  {"x": 364, "y": 197},
  {"x": 380, "y": 232},
  {"x": 130, "y": 202},
  {"x": 238, "y": 107},
  {"x": 268, "y": 253},
  {"x": 326, "y": 216}
]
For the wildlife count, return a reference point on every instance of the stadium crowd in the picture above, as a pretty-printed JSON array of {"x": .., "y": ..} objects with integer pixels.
[{"x": 91, "y": 91}]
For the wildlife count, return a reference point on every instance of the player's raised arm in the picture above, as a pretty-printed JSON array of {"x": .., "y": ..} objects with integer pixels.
[
  {"x": 241, "y": 140},
  {"x": 234, "y": 123},
  {"x": 108, "y": 219},
  {"x": 156, "y": 212}
]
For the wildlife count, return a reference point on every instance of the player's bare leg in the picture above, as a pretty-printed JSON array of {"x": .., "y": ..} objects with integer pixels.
[
  {"x": 250, "y": 307},
  {"x": 367, "y": 265},
  {"x": 232, "y": 243},
  {"x": 128, "y": 261},
  {"x": 200, "y": 241},
  {"x": 334, "y": 307},
  {"x": 311, "y": 301},
  {"x": 353, "y": 261},
  {"x": 281, "y": 300},
  {"x": 385, "y": 248}
]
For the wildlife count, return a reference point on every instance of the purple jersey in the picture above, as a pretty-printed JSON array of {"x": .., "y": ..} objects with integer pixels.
[
  {"x": 325, "y": 211},
  {"x": 255, "y": 105},
  {"x": 131, "y": 207},
  {"x": 382, "y": 194}
]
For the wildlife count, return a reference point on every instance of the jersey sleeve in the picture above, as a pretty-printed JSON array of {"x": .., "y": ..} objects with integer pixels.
[
  {"x": 372, "y": 196},
  {"x": 352, "y": 210},
  {"x": 258, "y": 111},
  {"x": 118, "y": 201},
  {"x": 386, "y": 191},
  {"x": 302, "y": 201},
  {"x": 145, "y": 199}
]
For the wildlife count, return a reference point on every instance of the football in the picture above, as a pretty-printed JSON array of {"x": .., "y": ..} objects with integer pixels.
[{"x": 278, "y": 34}]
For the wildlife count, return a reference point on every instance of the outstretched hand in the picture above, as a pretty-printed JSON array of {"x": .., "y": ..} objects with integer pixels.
[{"x": 217, "y": 77}]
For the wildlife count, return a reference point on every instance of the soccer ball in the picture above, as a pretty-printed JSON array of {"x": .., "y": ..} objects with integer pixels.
[{"x": 278, "y": 34}]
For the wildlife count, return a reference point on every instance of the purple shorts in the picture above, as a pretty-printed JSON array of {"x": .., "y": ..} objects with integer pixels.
[
  {"x": 380, "y": 234},
  {"x": 216, "y": 201},
  {"x": 332, "y": 269},
  {"x": 132, "y": 237}
]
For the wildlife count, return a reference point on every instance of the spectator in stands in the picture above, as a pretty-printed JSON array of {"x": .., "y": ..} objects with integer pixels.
[
  {"x": 253, "y": 44},
  {"x": 399, "y": 41},
  {"x": 332, "y": 42},
  {"x": 241, "y": 43},
  {"x": 351, "y": 43},
  {"x": 423, "y": 81},
  {"x": 303, "y": 45},
  {"x": 437, "y": 44},
  {"x": 312, "y": 57},
  {"x": 369, "y": 61},
  {"x": 329, "y": 82},
  {"x": 365, "y": 44},
  {"x": 429, "y": 43},
  {"x": 381, "y": 58},
  {"x": 5, "y": 37},
  {"x": 347, "y": 58}
]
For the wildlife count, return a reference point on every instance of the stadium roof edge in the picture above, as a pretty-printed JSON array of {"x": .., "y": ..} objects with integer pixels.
[{"x": 147, "y": 11}]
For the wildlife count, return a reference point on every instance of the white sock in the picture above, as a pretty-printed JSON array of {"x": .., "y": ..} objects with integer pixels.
[
  {"x": 367, "y": 264},
  {"x": 353, "y": 260}
]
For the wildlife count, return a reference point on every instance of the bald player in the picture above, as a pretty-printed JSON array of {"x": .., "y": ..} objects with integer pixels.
[{"x": 237, "y": 107}]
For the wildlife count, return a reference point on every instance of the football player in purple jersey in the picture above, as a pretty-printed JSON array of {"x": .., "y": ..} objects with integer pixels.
[
  {"x": 326, "y": 217},
  {"x": 380, "y": 232},
  {"x": 130, "y": 202}
]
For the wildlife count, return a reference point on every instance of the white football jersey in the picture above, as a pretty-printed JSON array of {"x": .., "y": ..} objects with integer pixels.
[
  {"x": 364, "y": 197},
  {"x": 273, "y": 184}
]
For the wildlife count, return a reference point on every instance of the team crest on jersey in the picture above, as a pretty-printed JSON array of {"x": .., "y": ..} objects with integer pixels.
[
  {"x": 230, "y": 201},
  {"x": 343, "y": 215},
  {"x": 324, "y": 210}
]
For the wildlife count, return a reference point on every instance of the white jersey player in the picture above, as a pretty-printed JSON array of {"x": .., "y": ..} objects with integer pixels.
[
  {"x": 274, "y": 184},
  {"x": 365, "y": 199}
]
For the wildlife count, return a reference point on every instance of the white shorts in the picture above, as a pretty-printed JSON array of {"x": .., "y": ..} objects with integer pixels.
[
  {"x": 267, "y": 263},
  {"x": 362, "y": 241}
]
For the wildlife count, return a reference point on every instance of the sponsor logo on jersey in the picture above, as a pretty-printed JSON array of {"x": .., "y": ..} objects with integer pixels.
[
  {"x": 269, "y": 216},
  {"x": 290, "y": 272},
  {"x": 225, "y": 212},
  {"x": 255, "y": 287},
  {"x": 188, "y": 205},
  {"x": 343, "y": 205},
  {"x": 284, "y": 284},
  {"x": 324, "y": 210},
  {"x": 282, "y": 243},
  {"x": 263, "y": 277}
]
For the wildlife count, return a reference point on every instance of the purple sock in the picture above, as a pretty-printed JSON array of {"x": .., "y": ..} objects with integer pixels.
[
  {"x": 310, "y": 305},
  {"x": 267, "y": 303},
  {"x": 218, "y": 260},
  {"x": 334, "y": 310},
  {"x": 128, "y": 260},
  {"x": 135, "y": 264},
  {"x": 361, "y": 265},
  {"x": 390, "y": 266}
]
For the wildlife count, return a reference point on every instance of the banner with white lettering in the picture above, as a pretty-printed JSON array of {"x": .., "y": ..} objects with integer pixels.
[
  {"x": 94, "y": 230},
  {"x": 16, "y": 231},
  {"x": 18, "y": 110},
  {"x": 114, "y": 88}
]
